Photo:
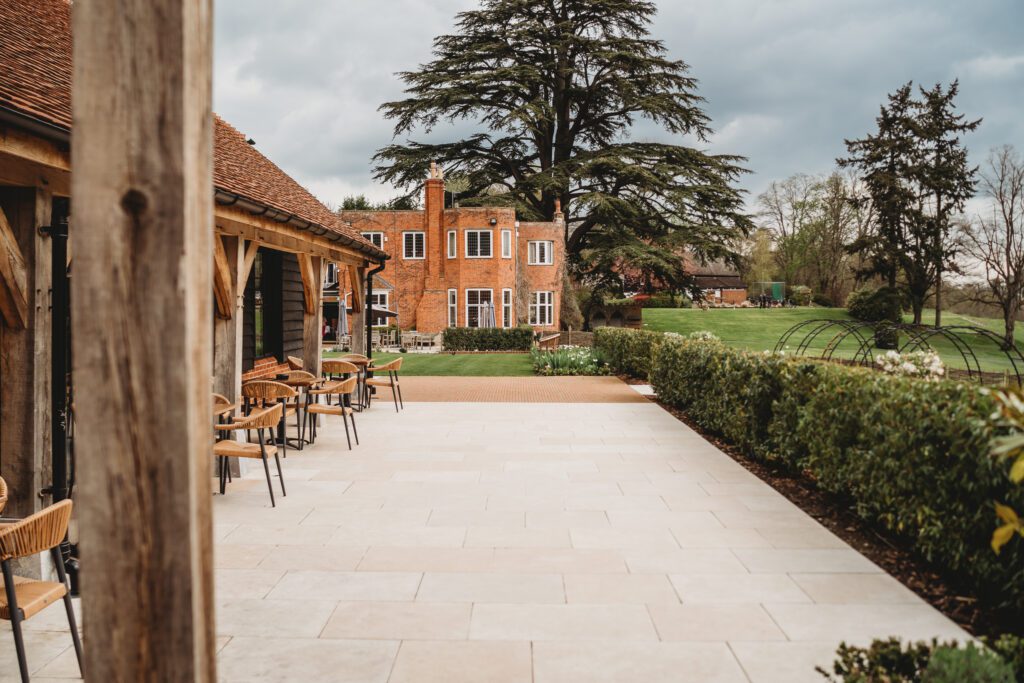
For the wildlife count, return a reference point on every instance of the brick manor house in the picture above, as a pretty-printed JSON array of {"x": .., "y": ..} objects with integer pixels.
[{"x": 452, "y": 267}]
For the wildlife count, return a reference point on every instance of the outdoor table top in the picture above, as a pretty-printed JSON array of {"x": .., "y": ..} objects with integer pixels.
[
  {"x": 357, "y": 361},
  {"x": 220, "y": 411},
  {"x": 302, "y": 381}
]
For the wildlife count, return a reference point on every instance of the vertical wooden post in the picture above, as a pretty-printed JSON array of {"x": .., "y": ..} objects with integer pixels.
[
  {"x": 227, "y": 332},
  {"x": 25, "y": 361},
  {"x": 142, "y": 297},
  {"x": 312, "y": 323},
  {"x": 357, "y": 280}
]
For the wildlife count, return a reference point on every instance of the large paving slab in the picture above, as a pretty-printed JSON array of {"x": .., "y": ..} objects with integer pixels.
[{"x": 526, "y": 542}]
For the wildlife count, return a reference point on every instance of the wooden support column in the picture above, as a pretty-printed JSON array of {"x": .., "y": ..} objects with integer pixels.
[
  {"x": 25, "y": 356},
  {"x": 227, "y": 324},
  {"x": 357, "y": 328},
  {"x": 313, "y": 321},
  {"x": 142, "y": 297}
]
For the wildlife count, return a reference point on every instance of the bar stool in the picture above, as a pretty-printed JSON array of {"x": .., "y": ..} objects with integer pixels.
[
  {"x": 259, "y": 419},
  {"x": 24, "y": 598}
]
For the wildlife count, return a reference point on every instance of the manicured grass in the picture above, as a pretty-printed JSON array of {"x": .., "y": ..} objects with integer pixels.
[
  {"x": 459, "y": 365},
  {"x": 759, "y": 330}
]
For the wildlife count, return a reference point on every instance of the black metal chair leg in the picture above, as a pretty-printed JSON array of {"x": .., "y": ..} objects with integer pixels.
[
  {"x": 399, "y": 387},
  {"x": 58, "y": 561},
  {"x": 352, "y": 416},
  {"x": 12, "y": 605},
  {"x": 266, "y": 468},
  {"x": 279, "y": 475},
  {"x": 223, "y": 463},
  {"x": 347, "y": 436},
  {"x": 394, "y": 394}
]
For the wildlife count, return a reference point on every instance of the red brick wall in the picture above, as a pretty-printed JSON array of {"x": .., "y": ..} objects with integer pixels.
[{"x": 544, "y": 278}]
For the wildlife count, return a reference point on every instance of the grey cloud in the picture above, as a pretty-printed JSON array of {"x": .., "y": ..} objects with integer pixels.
[{"x": 786, "y": 80}]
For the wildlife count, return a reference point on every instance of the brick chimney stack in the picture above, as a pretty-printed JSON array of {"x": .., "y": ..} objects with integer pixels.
[
  {"x": 433, "y": 218},
  {"x": 559, "y": 216}
]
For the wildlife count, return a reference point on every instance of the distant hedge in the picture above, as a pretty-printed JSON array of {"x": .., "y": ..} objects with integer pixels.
[
  {"x": 488, "y": 339},
  {"x": 909, "y": 455}
]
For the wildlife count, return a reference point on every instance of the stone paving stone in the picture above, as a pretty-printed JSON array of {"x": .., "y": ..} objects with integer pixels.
[
  {"x": 608, "y": 589},
  {"x": 768, "y": 662},
  {"x": 561, "y": 622},
  {"x": 719, "y": 589},
  {"x": 463, "y": 662},
  {"x": 715, "y": 622},
  {"x": 399, "y": 620},
  {"x": 479, "y": 587},
  {"x": 618, "y": 662},
  {"x": 279, "y": 659}
]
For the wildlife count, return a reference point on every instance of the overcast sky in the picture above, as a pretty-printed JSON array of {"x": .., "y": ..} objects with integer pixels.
[{"x": 785, "y": 80}]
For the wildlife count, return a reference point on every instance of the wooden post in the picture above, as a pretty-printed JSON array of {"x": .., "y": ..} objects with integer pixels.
[
  {"x": 25, "y": 359},
  {"x": 357, "y": 280},
  {"x": 142, "y": 297},
  {"x": 227, "y": 324},
  {"x": 312, "y": 322}
]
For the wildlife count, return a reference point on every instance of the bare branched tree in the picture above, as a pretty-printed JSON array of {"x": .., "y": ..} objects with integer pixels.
[{"x": 995, "y": 240}]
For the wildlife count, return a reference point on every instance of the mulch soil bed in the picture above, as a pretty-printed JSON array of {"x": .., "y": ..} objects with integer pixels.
[{"x": 892, "y": 555}]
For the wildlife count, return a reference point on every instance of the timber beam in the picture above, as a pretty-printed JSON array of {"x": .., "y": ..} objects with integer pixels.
[{"x": 13, "y": 278}]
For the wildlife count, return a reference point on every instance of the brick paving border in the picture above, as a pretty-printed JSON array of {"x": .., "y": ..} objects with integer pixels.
[{"x": 514, "y": 390}]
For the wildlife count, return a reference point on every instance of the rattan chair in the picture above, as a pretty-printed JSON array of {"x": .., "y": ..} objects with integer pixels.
[
  {"x": 264, "y": 393},
  {"x": 3, "y": 494},
  {"x": 391, "y": 369},
  {"x": 337, "y": 371},
  {"x": 342, "y": 390},
  {"x": 258, "y": 420},
  {"x": 295, "y": 363},
  {"x": 362, "y": 362},
  {"x": 24, "y": 598}
]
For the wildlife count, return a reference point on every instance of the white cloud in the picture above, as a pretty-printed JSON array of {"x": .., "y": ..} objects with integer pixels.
[{"x": 993, "y": 66}]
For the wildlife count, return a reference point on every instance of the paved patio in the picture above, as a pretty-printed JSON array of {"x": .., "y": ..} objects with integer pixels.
[{"x": 520, "y": 543}]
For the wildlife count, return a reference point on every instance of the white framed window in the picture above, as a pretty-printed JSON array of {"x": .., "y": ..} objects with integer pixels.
[
  {"x": 453, "y": 244},
  {"x": 380, "y": 300},
  {"x": 542, "y": 308},
  {"x": 414, "y": 245},
  {"x": 478, "y": 307},
  {"x": 478, "y": 244},
  {"x": 453, "y": 308},
  {"x": 506, "y": 244},
  {"x": 375, "y": 238},
  {"x": 540, "y": 253},
  {"x": 506, "y": 308}
]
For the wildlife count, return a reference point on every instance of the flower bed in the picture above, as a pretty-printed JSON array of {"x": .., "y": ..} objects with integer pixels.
[
  {"x": 909, "y": 456},
  {"x": 569, "y": 361}
]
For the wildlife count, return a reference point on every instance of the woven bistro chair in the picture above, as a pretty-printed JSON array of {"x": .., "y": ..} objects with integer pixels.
[
  {"x": 362, "y": 362},
  {"x": 263, "y": 393},
  {"x": 259, "y": 420},
  {"x": 295, "y": 363},
  {"x": 3, "y": 494},
  {"x": 391, "y": 369},
  {"x": 342, "y": 390},
  {"x": 337, "y": 371},
  {"x": 311, "y": 381},
  {"x": 24, "y": 598}
]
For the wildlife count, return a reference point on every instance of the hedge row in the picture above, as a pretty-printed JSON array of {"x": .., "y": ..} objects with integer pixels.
[
  {"x": 908, "y": 455},
  {"x": 488, "y": 339}
]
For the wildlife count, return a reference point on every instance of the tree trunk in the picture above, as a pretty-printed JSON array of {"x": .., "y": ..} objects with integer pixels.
[
  {"x": 1009, "y": 324},
  {"x": 918, "y": 307},
  {"x": 938, "y": 298}
]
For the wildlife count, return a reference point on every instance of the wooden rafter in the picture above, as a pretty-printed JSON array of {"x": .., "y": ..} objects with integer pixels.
[
  {"x": 13, "y": 278},
  {"x": 223, "y": 292},
  {"x": 251, "y": 249}
]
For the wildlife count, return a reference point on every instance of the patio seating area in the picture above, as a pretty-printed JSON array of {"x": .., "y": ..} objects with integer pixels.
[{"x": 573, "y": 542}]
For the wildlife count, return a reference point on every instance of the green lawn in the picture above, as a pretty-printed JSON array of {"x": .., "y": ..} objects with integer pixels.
[
  {"x": 460, "y": 365},
  {"x": 759, "y": 330}
]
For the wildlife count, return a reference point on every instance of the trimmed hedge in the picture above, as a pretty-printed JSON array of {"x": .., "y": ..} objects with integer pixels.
[
  {"x": 488, "y": 339},
  {"x": 630, "y": 352},
  {"x": 909, "y": 455}
]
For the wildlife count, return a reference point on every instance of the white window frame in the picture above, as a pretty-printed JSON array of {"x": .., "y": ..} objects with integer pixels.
[
  {"x": 453, "y": 244},
  {"x": 374, "y": 237},
  {"x": 506, "y": 308},
  {"x": 490, "y": 294},
  {"x": 423, "y": 243},
  {"x": 387, "y": 300},
  {"x": 542, "y": 302},
  {"x": 453, "y": 308},
  {"x": 506, "y": 244},
  {"x": 490, "y": 242},
  {"x": 533, "y": 253}
]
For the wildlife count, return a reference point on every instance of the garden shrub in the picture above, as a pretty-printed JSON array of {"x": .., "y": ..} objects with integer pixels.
[
  {"x": 822, "y": 300},
  {"x": 875, "y": 305},
  {"x": 884, "y": 660},
  {"x": 627, "y": 351},
  {"x": 908, "y": 455},
  {"x": 488, "y": 339},
  {"x": 967, "y": 665}
]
